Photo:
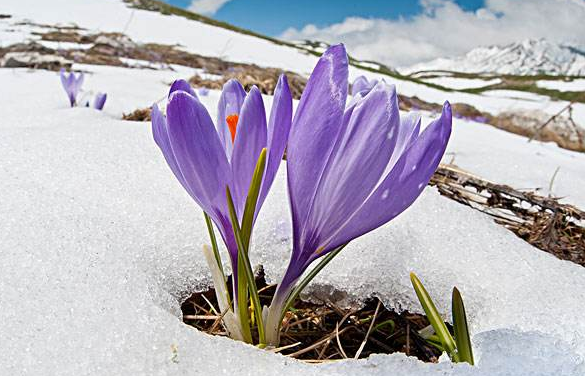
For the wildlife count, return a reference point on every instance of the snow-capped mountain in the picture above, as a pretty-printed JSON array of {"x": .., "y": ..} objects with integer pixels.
[{"x": 528, "y": 57}]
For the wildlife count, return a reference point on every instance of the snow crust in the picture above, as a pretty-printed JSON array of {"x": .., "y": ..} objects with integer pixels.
[
  {"x": 100, "y": 244},
  {"x": 462, "y": 83}
]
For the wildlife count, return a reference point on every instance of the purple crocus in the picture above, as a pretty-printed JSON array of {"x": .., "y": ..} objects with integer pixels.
[
  {"x": 362, "y": 85},
  {"x": 71, "y": 84},
  {"x": 350, "y": 170},
  {"x": 99, "y": 101},
  {"x": 203, "y": 91},
  {"x": 206, "y": 159}
]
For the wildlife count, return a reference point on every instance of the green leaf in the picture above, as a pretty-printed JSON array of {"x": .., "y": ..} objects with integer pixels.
[
  {"x": 247, "y": 282},
  {"x": 252, "y": 199},
  {"x": 435, "y": 318},
  {"x": 241, "y": 287},
  {"x": 461, "y": 329},
  {"x": 305, "y": 281},
  {"x": 213, "y": 241}
]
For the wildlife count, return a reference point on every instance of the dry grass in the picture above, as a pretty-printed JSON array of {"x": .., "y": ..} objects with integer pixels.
[{"x": 318, "y": 333}]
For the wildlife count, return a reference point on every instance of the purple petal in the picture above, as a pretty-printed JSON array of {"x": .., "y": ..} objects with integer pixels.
[
  {"x": 100, "y": 100},
  {"x": 403, "y": 185},
  {"x": 314, "y": 130},
  {"x": 230, "y": 102},
  {"x": 63, "y": 77},
  {"x": 278, "y": 131},
  {"x": 183, "y": 86},
  {"x": 407, "y": 133},
  {"x": 359, "y": 84},
  {"x": 360, "y": 156},
  {"x": 78, "y": 82},
  {"x": 161, "y": 137},
  {"x": 198, "y": 153},
  {"x": 249, "y": 142}
]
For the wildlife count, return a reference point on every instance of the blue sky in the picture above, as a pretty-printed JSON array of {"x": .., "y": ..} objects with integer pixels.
[{"x": 274, "y": 17}]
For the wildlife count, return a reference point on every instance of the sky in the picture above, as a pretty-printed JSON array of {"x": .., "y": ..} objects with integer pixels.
[{"x": 402, "y": 33}]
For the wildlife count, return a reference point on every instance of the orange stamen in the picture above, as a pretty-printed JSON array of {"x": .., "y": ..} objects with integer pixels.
[{"x": 232, "y": 121}]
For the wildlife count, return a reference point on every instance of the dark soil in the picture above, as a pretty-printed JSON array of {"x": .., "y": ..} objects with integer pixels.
[{"x": 324, "y": 332}]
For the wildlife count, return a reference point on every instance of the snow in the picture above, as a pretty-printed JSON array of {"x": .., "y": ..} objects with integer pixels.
[
  {"x": 510, "y": 159},
  {"x": 58, "y": 45},
  {"x": 516, "y": 94},
  {"x": 153, "y": 27},
  {"x": 462, "y": 83},
  {"x": 100, "y": 243},
  {"x": 574, "y": 85}
]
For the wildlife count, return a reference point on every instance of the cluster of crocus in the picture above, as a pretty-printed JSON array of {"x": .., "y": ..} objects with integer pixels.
[
  {"x": 72, "y": 85},
  {"x": 351, "y": 167}
]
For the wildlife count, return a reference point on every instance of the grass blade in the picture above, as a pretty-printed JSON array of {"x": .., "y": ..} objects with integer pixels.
[
  {"x": 248, "y": 278},
  {"x": 434, "y": 318},
  {"x": 252, "y": 199},
  {"x": 213, "y": 240},
  {"x": 461, "y": 329}
]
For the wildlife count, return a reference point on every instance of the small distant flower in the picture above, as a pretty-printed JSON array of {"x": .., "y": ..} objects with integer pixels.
[
  {"x": 71, "y": 84},
  {"x": 480, "y": 119},
  {"x": 205, "y": 160},
  {"x": 362, "y": 85},
  {"x": 203, "y": 91},
  {"x": 350, "y": 169},
  {"x": 99, "y": 101}
]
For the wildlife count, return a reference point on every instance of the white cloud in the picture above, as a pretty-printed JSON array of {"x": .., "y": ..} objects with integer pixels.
[
  {"x": 443, "y": 29},
  {"x": 207, "y": 7}
]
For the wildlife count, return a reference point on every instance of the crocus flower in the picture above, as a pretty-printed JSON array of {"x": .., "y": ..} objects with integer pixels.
[
  {"x": 361, "y": 84},
  {"x": 206, "y": 159},
  {"x": 350, "y": 170},
  {"x": 99, "y": 101},
  {"x": 203, "y": 91},
  {"x": 71, "y": 84}
]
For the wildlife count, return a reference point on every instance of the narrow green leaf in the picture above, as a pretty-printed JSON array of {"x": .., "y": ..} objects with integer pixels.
[
  {"x": 460, "y": 328},
  {"x": 305, "y": 281},
  {"x": 245, "y": 267},
  {"x": 252, "y": 199},
  {"x": 213, "y": 240},
  {"x": 434, "y": 318},
  {"x": 241, "y": 287},
  {"x": 384, "y": 324}
]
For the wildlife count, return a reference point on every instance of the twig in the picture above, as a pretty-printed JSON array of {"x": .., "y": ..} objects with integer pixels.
[
  {"x": 319, "y": 343},
  {"x": 552, "y": 180},
  {"x": 363, "y": 344},
  {"x": 338, "y": 341},
  {"x": 279, "y": 349},
  {"x": 201, "y": 317},
  {"x": 541, "y": 127}
]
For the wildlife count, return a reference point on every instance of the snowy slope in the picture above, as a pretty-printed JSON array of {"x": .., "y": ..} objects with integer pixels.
[
  {"x": 529, "y": 57},
  {"x": 208, "y": 40}
]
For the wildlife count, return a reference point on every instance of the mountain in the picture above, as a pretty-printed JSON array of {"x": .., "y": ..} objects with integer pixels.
[{"x": 529, "y": 57}]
